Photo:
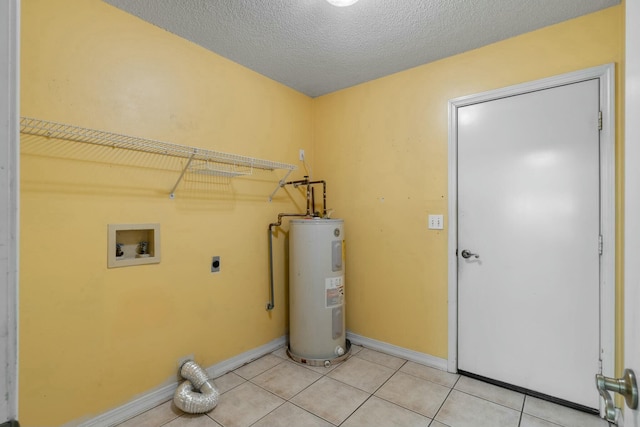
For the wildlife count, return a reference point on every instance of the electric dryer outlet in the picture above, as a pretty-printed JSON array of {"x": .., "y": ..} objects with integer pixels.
[{"x": 215, "y": 264}]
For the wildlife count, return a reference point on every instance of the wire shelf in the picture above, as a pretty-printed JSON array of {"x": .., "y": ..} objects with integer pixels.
[
  {"x": 49, "y": 129},
  {"x": 200, "y": 160}
]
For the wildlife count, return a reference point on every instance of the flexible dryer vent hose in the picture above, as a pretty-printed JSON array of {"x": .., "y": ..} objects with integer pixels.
[{"x": 197, "y": 394}]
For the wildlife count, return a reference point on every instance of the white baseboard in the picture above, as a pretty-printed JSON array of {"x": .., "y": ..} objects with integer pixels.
[
  {"x": 162, "y": 394},
  {"x": 235, "y": 362},
  {"x": 393, "y": 350}
]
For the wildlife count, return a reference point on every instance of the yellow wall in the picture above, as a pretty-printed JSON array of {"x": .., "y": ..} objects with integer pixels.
[
  {"x": 382, "y": 146},
  {"x": 93, "y": 338}
]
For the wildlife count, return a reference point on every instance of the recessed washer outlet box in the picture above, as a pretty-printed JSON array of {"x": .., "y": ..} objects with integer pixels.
[
  {"x": 132, "y": 244},
  {"x": 215, "y": 264}
]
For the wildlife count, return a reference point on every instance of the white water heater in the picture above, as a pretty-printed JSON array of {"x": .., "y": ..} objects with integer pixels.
[{"x": 316, "y": 292}]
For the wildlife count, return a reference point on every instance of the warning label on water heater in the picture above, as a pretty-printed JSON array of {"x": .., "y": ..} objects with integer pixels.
[{"x": 334, "y": 289}]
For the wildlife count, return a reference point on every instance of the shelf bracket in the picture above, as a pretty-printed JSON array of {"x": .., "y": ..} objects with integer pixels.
[
  {"x": 280, "y": 184},
  {"x": 172, "y": 194}
]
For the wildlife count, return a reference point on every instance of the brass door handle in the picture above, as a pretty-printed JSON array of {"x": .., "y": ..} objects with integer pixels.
[{"x": 626, "y": 386}]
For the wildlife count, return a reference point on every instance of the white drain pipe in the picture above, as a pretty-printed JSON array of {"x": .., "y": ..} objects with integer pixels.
[{"x": 197, "y": 394}]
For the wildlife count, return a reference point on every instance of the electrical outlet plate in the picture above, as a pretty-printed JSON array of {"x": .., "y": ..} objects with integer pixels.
[
  {"x": 436, "y": 222},
  {"x": 301, "y": 154}
]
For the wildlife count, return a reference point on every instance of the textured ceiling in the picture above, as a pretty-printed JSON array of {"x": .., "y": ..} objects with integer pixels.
[{"x": 317, "y": 48}]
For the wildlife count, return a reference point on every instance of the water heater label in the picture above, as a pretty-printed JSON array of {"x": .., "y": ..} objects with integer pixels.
[{"x": 334, "y": 287}]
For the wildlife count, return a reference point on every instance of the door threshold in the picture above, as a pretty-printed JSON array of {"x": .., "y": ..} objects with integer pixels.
[{"x": 532, "y": 393}]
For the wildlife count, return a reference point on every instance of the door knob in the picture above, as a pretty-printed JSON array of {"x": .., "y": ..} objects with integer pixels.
[
  {"x": 626, "y": 386},
  {"x": 467, "y": 254}
]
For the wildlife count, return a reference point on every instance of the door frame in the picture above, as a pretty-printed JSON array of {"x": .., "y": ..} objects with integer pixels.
[
  {"x": 632, "y": 202},
  {"x": 9, "y": 203},
  {"x": 605, "y": 73}
]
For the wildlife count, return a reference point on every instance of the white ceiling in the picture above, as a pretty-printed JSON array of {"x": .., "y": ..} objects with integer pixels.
[{"x": 317, "y": 48}]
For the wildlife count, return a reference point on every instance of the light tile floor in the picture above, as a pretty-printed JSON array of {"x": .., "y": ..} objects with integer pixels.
[{"x": 368, "y": 389}]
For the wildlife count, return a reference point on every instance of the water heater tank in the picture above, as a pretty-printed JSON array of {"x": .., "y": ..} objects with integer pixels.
[{"x": 316, "y": 292}]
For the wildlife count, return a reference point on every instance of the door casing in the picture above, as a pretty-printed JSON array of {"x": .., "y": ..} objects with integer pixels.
[
  {"x": 632, "y": 203},
  {"x": 9, "y": 204},
  {"x": 605, "y": 74}
]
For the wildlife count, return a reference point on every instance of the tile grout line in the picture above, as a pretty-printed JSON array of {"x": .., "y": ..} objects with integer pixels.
[
  {"x": 445, "y": 399},
  {"x": 405, "y": 373},
  {"x": 524, "y": 400},
  {"x": 489, "y": 401},
  {"x": 245, "y": 380},
  {"x": 521, "y": 410},
  {"x": 326, "y": 375},
  {"x": 379, "y": 387},
  {"x": 408, "y": 374},
  {"x": 322, "y": 375},
  {"x": 370, "y": 394}
]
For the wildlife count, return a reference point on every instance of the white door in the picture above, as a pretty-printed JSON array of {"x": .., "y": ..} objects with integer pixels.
[
  {"x": 632, "y": 201},
  {"x": 529, "y": 212}
]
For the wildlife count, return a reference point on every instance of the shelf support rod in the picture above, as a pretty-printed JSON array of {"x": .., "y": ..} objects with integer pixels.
[
  {"x": 280, "y": 185},
  {"x": 172, "y": 195}
]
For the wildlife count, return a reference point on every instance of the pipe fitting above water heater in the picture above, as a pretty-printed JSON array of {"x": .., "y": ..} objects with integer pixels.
[{"x": 310, "y": 213}]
